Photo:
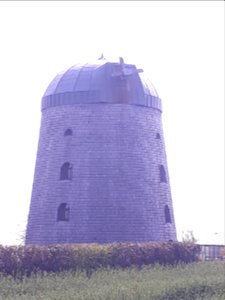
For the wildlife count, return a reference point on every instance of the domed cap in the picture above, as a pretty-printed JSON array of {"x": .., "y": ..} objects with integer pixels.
[{"x": 101, "y": 82}]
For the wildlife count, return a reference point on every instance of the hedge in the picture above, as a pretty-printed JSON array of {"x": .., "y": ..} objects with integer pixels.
[{"x": 25, "y": 260}]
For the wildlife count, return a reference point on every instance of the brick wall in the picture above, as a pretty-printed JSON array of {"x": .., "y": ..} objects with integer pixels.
[{"x": 115, "y": 193}]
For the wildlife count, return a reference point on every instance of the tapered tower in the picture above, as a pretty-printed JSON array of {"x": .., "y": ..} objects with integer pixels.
[{"x": 101, "y": 171}]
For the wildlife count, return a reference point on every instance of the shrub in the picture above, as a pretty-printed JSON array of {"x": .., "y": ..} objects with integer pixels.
[{"x": 25, "y": 260}]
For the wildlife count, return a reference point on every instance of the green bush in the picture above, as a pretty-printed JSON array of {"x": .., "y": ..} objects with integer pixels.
[{"x": 25, "y": 260}]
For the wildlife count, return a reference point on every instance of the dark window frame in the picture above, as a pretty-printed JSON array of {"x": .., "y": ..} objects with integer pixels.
[
  {"x": 63, "y": 212},
  {"x": 167, "y": 214},
  {"x": 68, "y": 132},
  {"x": 66, "y": 171},
  {"x": 158, "y": 136},
  {"x": 162, "y": 174}
]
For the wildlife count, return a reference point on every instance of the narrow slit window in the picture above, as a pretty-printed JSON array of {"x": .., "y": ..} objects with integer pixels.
[
  {"x": 158, "y": 137},
  {"x": 63, "y": 212},
  {"x": 167, "y": 214},
  {"x": 162, "y": 174},
  {"x": 68, "y": 132},
  {"x": 66, "y": 171}
]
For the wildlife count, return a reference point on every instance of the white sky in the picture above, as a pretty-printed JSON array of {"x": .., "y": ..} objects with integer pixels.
[{"x": 180, "y": 46}]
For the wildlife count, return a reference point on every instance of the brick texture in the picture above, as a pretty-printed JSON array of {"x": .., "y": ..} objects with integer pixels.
[{"x": 115, "y": 193}]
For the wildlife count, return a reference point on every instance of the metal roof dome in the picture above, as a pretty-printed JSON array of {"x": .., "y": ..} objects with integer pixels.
[{"x": 102, "y": 81}]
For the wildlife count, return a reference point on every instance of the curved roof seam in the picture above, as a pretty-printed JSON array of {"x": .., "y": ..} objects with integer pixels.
[{"x": 63, "y": 76}]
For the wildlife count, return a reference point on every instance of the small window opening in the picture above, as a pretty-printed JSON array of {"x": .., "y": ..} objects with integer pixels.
[
  {"x": 167, "y": 214},
  {"x": 66, "y": 171},
  {"x": 63, "y": 212},
  {"x": 162, "y": 174},
  {"x": 68, "y": 132},
  {"x": 158, "y": 137}
]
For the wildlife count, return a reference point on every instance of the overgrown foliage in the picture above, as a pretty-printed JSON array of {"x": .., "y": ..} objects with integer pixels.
[
  {"x": 194, "y": 281},
  {"x": 188, "y": 237},
  {"x": 18, "y": 261}
]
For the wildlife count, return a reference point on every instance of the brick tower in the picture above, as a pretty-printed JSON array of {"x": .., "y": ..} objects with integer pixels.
[{"x": 101, "y": 172}]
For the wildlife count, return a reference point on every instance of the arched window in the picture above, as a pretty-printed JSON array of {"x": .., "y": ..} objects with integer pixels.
[
  {"x": 158, "y": 137},
  {"x": 68, "y": 132},
  {"x": 162, "y": 174},
  {"x": 66, "y": 171},
  {"x": 63, "y": 212},
  {"x": 167, "y": 214}
]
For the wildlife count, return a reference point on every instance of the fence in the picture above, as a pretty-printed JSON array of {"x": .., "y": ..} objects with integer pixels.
[{"x": 212, "y": 252}]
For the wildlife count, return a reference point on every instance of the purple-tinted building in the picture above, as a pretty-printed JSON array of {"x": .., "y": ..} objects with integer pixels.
[{"x": 101, "y": 172}]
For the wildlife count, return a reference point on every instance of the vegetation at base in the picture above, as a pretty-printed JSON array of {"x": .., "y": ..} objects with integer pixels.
[
  {"x": 18, "y": 261},
  {"x": 194, "y": 281}
]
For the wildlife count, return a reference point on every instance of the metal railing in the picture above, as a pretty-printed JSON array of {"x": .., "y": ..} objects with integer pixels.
[{"x": 212, "y": 252}]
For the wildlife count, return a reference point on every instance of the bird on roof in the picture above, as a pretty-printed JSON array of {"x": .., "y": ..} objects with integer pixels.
[
  {"x": 121, "y": 60},
  {"x": 101, "y": 57}
]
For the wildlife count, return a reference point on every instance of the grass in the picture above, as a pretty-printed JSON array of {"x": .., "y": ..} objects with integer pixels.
[{"x": 203, "y": 280}]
